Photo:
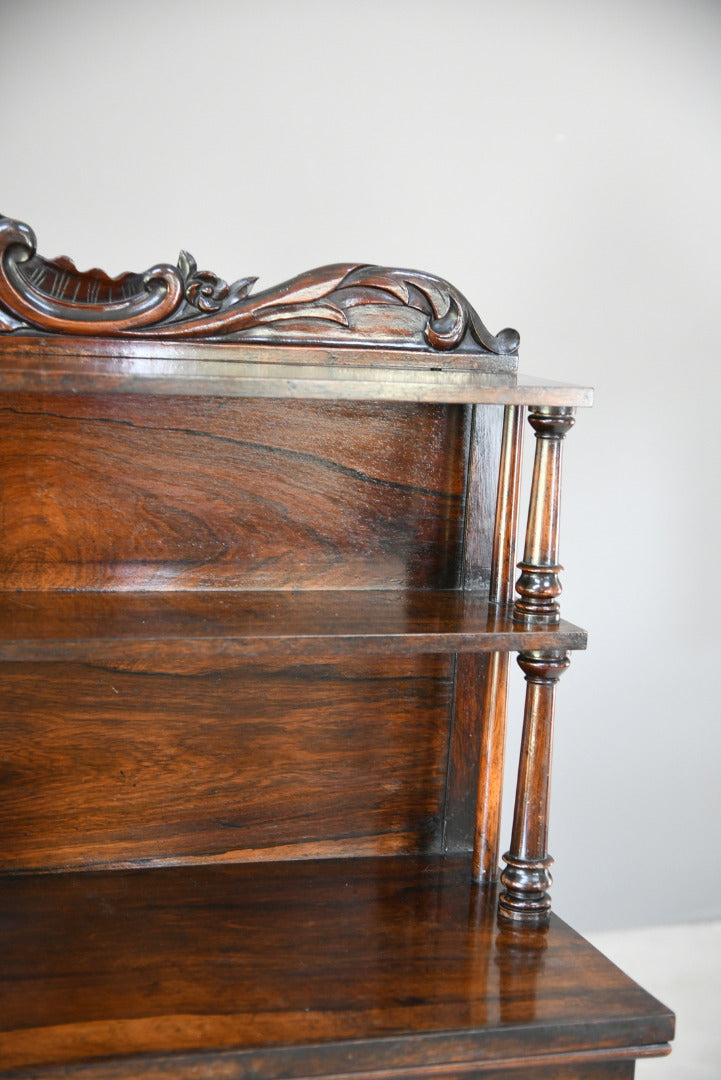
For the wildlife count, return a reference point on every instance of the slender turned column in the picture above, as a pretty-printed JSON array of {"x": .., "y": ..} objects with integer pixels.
[
  {"x": 538, "y": 585},
  {"x": 486, "y": 847},
  {"x": 526, "y": 877}
]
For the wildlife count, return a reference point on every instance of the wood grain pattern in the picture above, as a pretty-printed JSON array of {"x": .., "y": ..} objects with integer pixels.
[
  {"x": 471, "y": 672},
  {"x": 104, "y": 766},
  {"x": 228, "y": 494},
  {"x": 481, "y": 496},
  {"x": 337, "y": 967},
  {"x": 470, "y": 668},
  {"x": 492, "y": 725},
  {"x": 491, "y": 754},
  {"x": 253, "y": 644}
]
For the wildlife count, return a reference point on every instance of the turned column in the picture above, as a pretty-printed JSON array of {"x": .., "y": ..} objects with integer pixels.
[
  {"x": 539, "y": 586},
  {"x": 526, "y": 877}
]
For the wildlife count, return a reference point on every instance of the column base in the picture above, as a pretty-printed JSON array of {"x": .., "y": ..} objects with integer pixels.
[{"x": 525, "y": 883}]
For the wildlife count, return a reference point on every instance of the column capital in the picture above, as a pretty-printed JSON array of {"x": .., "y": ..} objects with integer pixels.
[
  {"x": 545, "y": 667},
  {"x": 551, "y": 421}
]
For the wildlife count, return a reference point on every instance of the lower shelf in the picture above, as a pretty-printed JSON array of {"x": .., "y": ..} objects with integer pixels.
[{"x": 344, "y": 966}]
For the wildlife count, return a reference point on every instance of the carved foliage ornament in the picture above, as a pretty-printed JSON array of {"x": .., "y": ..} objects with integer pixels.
[{"x": 341, "y": 304}]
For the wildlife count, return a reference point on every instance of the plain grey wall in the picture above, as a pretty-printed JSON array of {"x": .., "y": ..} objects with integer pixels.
[{"x": 560, "y": 162}]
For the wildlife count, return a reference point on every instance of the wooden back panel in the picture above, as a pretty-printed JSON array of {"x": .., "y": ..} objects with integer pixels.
[
  {"x": 110, "y": 767},
  {"x": 129, "y": 764},
  {"x": 128, "y": 493}
]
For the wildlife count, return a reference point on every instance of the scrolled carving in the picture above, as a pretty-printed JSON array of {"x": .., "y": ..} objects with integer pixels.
[
  {"x": 341, "y": 304},
  {"x": 202, "y": 289},
  {"x": 56, "y": 297}
]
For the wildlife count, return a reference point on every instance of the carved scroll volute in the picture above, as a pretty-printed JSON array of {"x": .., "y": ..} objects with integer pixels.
[
  {"x": 154, "y": 295},
  {"x": 342, "y": 304}
]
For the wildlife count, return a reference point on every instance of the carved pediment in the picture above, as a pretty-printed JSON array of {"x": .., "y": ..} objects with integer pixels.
[{"x": 349, "y": 304}]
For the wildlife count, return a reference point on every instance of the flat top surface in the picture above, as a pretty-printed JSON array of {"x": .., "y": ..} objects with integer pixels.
[
  {"x": 48, "y": 625},
  {"x": 352, "y": 963},
  {"x": 119, "y": 366}
]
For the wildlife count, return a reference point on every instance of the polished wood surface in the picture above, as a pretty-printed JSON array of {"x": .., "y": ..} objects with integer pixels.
[
  {"x": 77, "y": 365},
  {"x": 342, "y": 966},
  {"x": 166, "y": 762},
  {"x": 196, "y": 628},
  {"x": 256, "y": 560},
  {"x": 127, "y": 493},
  {"x": 538, "y": 586},
  {"x": 347, "y": 303},
  {"x": 526, "y": 877},
  {"x": 492, "y": 749}
]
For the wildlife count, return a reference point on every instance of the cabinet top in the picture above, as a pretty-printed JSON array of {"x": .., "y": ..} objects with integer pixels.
[
  {"x": 347, "y": 331},
  {"x": 94, "y": 365}
]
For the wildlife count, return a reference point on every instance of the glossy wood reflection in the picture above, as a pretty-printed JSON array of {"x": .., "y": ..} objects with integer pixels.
[
  {"x": 255, "y": 622},
  {"x": 380, "y": 963}
]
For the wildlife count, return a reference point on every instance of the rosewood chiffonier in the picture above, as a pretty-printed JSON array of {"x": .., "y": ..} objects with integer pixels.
[{"x": 258, "y": 605}]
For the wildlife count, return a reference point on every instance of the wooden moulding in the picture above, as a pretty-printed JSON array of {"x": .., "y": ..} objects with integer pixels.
[{"x": 93, "y": 365}]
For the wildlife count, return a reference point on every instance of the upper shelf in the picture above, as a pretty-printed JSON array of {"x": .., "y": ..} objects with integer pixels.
[
  {"x": 95, "y": 627},
  {"x": 95, "y": 365},
  {"x": 350, "y": 331}
]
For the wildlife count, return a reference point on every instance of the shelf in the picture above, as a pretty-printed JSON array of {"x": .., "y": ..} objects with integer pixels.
[
  {"x": 95, "y": 627},
  {"x": 330, "y": 966},
  {"x": 82, "y": 365}
]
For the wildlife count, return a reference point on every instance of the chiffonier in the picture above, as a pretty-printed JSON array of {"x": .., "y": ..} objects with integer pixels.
[{"x": 258, "y": 606}]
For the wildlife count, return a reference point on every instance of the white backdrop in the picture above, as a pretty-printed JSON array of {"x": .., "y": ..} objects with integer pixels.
[{"x": 560, "y": 162}]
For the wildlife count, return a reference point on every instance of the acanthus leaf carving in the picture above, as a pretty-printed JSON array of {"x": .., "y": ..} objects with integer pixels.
[{"x": 403, "y": 308}]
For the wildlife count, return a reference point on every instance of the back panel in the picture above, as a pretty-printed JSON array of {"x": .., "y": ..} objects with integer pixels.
[
  {"x": 127, "y": 493},
  {"x": 105, "y": 766}
]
